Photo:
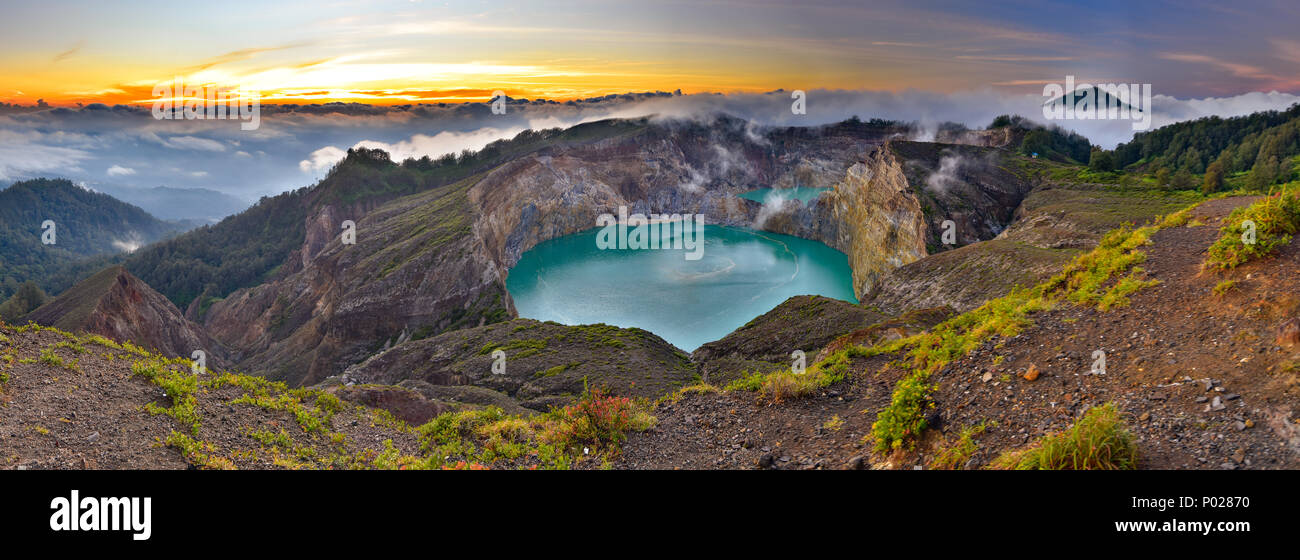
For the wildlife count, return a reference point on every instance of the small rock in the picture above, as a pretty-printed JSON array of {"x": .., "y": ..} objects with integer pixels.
[
  {"x": 1031, "y": 373},
  {"x": 1239, "y": 455},
  {"x": 987, "y": 377},
  {"x": 1249, "y": 423},
  {"x": 856, "y": 463},
  {"x": 1202, "y": 399},
  {"x": 1144, "y": 417},
  {"x": 92, "y": 438},
  {"x": 765, "y": 461},
  {"x": 1240, "y": 426},
  {"x": 1231, "y": 397}
]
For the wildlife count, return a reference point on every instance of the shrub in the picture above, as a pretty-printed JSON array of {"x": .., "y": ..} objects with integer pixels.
[
  {"x": 1275, "y": 217},
  {"x": 600, "y": 419}
]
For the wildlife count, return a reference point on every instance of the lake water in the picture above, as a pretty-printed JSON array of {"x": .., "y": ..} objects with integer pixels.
[
  {"x": 802, "y": 194},
  {"x": 741, "y": 275}
]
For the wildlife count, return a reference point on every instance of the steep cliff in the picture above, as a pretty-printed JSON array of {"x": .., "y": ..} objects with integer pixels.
[
  {"x": 415, "y": 269},
  {"x": 890, "y": 208}
]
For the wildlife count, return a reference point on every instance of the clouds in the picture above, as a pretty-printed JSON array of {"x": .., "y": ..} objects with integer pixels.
[
  {"x": 441, "y": 143},
  {"x": 126, "y": 147},
  {"x": 321, "y": 159},
  {"x": 194, "y": 143},
  {"x": 30, "y": 153}
]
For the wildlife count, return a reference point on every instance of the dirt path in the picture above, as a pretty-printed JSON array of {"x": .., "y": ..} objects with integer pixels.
[{"x": 1169, "y": 355}]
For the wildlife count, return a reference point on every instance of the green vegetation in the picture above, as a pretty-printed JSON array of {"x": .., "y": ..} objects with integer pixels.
[
  {"x": 24, "y": 300},
  {"x": 956, "y": 455},
  {"x": 1048, "y": 142},
  {"x": 1223, "y": 287},
  {"x": 1213, "y": 181},
  {"x": 835, "y": 424},
  {"x": 556, "y": 370},
  {"x": 527, "y": 347},
  {"x": 49, "y": 358},
  {"x": 1275, "y": 219},
  {"x": 1239, "y": 144},
  {"x": 596, "y": 424},
  {"x": 786, "y": 384},
  {"x": 177, "y": 384},
  {"x": 87, "y": 224},
  {"x": 1098, "y": 441}
]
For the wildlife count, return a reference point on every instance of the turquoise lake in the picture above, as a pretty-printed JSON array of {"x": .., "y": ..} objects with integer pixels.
[
  {"x": 802, "y": 194},
  {"x": 741, "y": 275}
]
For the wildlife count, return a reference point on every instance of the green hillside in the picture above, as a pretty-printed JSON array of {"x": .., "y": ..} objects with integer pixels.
[{"x": 86, "y": 224}]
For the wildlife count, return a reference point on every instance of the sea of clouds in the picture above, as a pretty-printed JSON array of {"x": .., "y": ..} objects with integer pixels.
[{"x": 106, "y": 148}]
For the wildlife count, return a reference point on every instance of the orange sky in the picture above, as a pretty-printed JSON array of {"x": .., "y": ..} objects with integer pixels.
[{"x": 388, "y": 51}]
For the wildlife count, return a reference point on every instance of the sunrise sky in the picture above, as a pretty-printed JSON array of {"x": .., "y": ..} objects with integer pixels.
[{"x": 391, "y": 52}]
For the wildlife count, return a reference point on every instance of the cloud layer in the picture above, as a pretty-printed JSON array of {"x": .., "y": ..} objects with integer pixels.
[{"x": 296, "y": 145}]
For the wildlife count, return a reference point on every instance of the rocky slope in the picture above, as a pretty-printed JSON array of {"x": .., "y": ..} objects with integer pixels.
[
  {"x": 415, "y": 268},
  {"x": 806, "y": 323},
  {"x": 76, "y": 401},
  {"x": 1054, "y": 222},
  {"x": 546, "y": 364},
  {"x": 73, "y": 403},
  {"x": 117, "y": 305}
]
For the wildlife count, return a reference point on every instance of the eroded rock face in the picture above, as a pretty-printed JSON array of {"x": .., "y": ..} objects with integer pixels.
[
  {"x": 117, "y": 305},
  {"x": 415, "y": 268},
  {"x": 672, "y": 168},
  {"x": 890, "y": 209},
  {"x": 876, "y": 219}
]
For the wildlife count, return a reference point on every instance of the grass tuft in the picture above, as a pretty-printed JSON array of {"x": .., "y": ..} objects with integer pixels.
[{"x": 1098, "y": 441}]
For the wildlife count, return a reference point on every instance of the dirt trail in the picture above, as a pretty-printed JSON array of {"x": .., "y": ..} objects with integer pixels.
[{"x": 1199, "y": 378}]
